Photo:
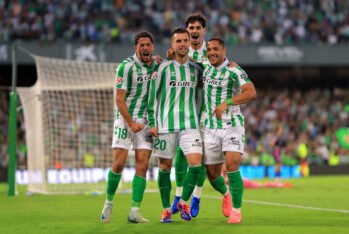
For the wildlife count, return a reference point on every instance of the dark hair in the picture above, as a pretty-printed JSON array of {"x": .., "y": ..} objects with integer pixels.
[
  {"x": 220, "y": 40},
  {"x": 142, "y": 35},
  {"x": 179, "y": 30},
  {"x": 195, "y": 17}
]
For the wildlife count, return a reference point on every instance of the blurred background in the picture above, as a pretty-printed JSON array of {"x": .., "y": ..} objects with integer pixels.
[{"x": 296, "y": 52}]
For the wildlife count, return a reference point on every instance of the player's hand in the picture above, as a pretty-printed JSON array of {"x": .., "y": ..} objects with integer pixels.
[
  {"x": 220, "y": 110},
  {"x": 157, "y": 58},
  {"x": 136, "y": 127},
  {"x": 154, "y": 131},
  {"x": 232, "y": 64},
  {"x": 170, "y": 54}
]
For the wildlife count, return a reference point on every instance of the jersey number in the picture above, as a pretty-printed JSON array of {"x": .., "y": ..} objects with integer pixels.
[
  {"x": 122, "y": 133},
  {"x": 160, "y": 144}
]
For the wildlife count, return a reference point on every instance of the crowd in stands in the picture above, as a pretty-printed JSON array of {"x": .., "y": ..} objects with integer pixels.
[
  {"x": 237, "y": 21},
  {"x": 288, "y": 125}
]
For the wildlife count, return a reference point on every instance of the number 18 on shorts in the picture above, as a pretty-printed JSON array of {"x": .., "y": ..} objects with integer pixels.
[{"x": 123, "y": 137}]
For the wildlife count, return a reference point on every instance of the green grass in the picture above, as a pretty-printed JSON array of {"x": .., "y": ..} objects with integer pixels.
[{"x": 80, "y": 213}]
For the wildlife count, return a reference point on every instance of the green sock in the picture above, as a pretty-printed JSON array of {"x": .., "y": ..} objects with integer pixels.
[
  {"x": 202, "y": 176},
  {"x": 219, "y": 185},
  {"x": 236, "y": 187},
  {"x": 164, "y": 183},
  {"x": 138, "y": 187},
  {"x": 189, "y": 181},
  {"x": 181, "y": 166},
  {"x": 112, "y": 184}
]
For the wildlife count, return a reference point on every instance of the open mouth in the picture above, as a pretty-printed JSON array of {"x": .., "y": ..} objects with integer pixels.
[
  {"x": 195, "y": 36},
  {"x": 146, "y": 54}
]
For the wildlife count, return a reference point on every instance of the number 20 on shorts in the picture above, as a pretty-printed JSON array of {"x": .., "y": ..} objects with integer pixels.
[{"x": 159, "y": 144}]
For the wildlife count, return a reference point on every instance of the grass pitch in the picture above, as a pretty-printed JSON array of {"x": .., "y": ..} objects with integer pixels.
[{"x": 314, "y": 205}]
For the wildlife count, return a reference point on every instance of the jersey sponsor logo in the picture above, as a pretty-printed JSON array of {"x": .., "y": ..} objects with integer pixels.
[
  {"x": 186, "y": 84},
  {"x": 197, "y": 143},
  {"x": 212, "y": 82},
  {"x": 119, "y": 80},
  {"x": 141, "y": 79}
]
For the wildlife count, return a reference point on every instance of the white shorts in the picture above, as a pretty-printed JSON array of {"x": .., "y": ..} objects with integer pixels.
[
  {"x": 123, "y": 137},
  {"x": 188, "y": 140},
  {"x": 218, "y": 141}
]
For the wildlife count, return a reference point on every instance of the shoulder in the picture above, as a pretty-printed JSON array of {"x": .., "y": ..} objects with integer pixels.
[
  {"x": 164, "y": 64},
  {"x": 237, "y": 70},
  {"x": 126, "y": 63},
  {"x": 239, "y": 74}
]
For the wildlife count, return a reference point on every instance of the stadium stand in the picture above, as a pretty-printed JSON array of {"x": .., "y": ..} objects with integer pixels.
[{"x": 238, "y": 22}]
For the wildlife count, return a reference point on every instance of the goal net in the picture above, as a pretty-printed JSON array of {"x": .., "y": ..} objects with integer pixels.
[{"x": 68, "y": 121}]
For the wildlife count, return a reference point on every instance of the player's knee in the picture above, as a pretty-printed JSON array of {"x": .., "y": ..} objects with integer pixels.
[
  {"x": 233, "y": 166},
  {"x": 165, "y": 167},
  {"x": 211, "y": 174},
  {"x": 117, "y": 168}
]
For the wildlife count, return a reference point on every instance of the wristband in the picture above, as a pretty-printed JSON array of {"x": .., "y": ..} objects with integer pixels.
[{"x": 229, "y": 101}]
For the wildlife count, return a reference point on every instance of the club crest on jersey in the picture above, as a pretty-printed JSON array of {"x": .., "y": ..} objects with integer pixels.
[
  {"x": 212, "y": 82},
  {"x": 175, "y": 83},
  {"x": 119, "y": 80}
]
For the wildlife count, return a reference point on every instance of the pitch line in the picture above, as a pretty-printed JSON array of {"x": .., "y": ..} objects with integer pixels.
[{"x": 285, "y": 205}]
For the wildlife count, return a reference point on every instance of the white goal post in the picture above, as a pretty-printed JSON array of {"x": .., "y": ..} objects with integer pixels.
[{"x": 69, "y": 122}]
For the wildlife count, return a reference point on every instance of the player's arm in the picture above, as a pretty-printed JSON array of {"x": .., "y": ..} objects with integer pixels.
[
  {"x": 248, "y": 93},
  {"x": 123, "y": 109},
  {"x": 154, "y": 92},
  {"x": 121, "y": 77}
]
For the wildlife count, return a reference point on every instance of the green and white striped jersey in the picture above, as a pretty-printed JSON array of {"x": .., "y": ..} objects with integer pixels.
[
  {"x": 134, "y": 77},
  {"x": 220, "y": 84},
  {"x": 199, "y": 55},
  {"x": 172, "y": 97}
]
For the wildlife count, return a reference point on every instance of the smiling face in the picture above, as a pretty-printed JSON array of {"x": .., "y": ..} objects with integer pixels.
[
  {"x": 180, "y": 44},
  {"x": 197, "y": 33},
  {"x": 144, "y": 49},
  {"x": 215, "y": 52}
]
